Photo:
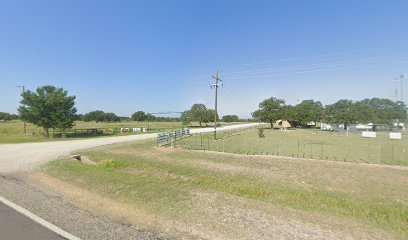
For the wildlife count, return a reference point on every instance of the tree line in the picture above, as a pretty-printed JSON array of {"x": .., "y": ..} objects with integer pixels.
[
  {"x": 7, "y": 116},
  {"x": 344, "y": 111},
  {"x": 51, "y": 107}
]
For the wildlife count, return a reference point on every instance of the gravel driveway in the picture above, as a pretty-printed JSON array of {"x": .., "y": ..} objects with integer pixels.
[{"x": 27, "y": 156}]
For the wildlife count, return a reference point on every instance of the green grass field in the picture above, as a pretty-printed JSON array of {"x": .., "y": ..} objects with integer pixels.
[
  {"x": 308, "y": 144},
  {"x": 12, "y": 131},
  {"x": 166, "y": 182}
]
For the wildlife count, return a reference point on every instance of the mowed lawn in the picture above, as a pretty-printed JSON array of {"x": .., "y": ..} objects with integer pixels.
[
  {"x": 195, "y": 194},
  {"x": 313, "y": 144}
]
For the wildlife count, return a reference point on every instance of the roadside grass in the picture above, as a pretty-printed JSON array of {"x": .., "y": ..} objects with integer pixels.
[
  {"x": 12, "y": 131},
  {"x": 308, "y": 144},
  {"x": 162, "y": 179}
]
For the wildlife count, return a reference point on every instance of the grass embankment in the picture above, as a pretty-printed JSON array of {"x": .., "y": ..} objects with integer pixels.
[
  {"x": 309, "y": 144},
  {"x": 163, "y": 181}
]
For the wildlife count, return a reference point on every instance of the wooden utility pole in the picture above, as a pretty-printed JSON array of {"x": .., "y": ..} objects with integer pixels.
[{"x": 216, "y": 85}]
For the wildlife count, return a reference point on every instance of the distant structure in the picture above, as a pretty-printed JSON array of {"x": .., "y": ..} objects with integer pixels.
[{"x": 400, "y": 79}]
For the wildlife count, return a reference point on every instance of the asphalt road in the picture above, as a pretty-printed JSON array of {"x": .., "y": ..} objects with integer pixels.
[
  {"x": 15, "y": 226},
  {"x": 27, "y": 156}
]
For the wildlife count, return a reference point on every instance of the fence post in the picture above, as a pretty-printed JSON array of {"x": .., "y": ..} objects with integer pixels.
[
  {"x": 298, "y": 148},
  {"x": 392, "y": 152},
  {"x": 208, "y": 140},
  {"x": 201, "y": 142},
  {"x": 321, "y": 152}
]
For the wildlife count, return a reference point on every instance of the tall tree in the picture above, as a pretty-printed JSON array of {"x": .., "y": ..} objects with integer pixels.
[
  {"x": 308, "y": 111},
  {"x": 139, "y": 116},
  {"x": 199, "y": 113},
  {"x": 97, "y": 116},
  {"x": 379, "y": 110},
  {"x": 7, "y": 116},
  {"x": 210, "y": 116},
  {"x": 150, "y": 117},
  {"x": 230, "y": 118},
  {"x": 186, "y": 117},
  {"x": 111, "y": 117},
  {"x": 342, "y": 112},
  {"x": 48, "y": 107},
  {"x": 270, "y": 110}
]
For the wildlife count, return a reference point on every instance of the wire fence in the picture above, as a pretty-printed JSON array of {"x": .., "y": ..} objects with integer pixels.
[{"x": 307, "y": 144}]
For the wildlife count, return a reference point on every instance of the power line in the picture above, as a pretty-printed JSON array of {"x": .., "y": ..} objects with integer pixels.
[{"x": 360, "y": 60}]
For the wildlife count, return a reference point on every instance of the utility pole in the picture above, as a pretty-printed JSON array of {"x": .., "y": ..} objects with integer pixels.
[
  {"x": 216, "y": 86},
  {"x": 24, "y": 122},
  {"x": 396, "y": 89},
  {"x": 402, "y": 77}
]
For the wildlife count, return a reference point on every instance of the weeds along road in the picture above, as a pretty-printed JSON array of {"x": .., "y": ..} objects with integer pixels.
[{"x": 27, "y": 156}]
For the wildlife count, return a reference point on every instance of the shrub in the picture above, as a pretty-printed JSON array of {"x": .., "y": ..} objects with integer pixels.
[{"x": 261, "y": 133}]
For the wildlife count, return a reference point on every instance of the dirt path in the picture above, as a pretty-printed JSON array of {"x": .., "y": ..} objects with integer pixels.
[{"x": 27, "y": 156}]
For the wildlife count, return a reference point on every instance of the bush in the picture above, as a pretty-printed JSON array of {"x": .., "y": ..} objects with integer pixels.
[{"x": 261, "y": 133}]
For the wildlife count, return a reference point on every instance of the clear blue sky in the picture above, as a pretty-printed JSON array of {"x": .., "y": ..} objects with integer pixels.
[{"x": 124, "y": 56}]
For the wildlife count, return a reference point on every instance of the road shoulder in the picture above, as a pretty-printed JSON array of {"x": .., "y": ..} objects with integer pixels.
[{"x": 58, "y": 211}]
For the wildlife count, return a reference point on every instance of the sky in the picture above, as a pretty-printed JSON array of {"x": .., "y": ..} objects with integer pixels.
[{"x": 159, "y": 56}]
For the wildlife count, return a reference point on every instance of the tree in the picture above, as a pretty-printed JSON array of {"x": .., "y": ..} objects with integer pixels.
[
  {"x": 151, "y": 117},
  {"x": 308, "y": 111},
  {"x": 100, "y": 116},
  {"x": 111, "y": 117},
  {"x": 342, "y": 112},
  {"x": 186, "y": 117},
  {"x": 210, "y": 116},
  {"x": 7, "y": 116},
  {"x": 199, "y": 113},
  {"x": 272, "y": 109},
  {"x": 97, "y": 116},
  {"x": 139, "y": 116},
  {"x": 378, "y": 110},
  {"x": 48, "y": 107},
  {"x": 230, "y": 118}
]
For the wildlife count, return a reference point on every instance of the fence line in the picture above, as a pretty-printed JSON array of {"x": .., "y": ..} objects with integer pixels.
[{"x": 388, "y": 153}]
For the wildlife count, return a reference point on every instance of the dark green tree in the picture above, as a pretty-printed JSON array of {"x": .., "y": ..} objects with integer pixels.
[
  {"x": 7, "y": 116},
  {"x": 230, "y": 118},
  {"x": 48, "y": 107},
  {"x": 308, "y": 111},
  {"x": 185, "y": 117},
  {"x": 379, "y": 110},
  {"x": 271, "y": 109},
  {"x": 139, "y": 116},
  {"x": 210, "y": 116},
  {"x": 199, "y": 113},
  {"x": 111, "y": 117},
  {"x": 97, "y": 116},
  {"x": 151, "y": 117},
  {"x": 342, "y": 112}
]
